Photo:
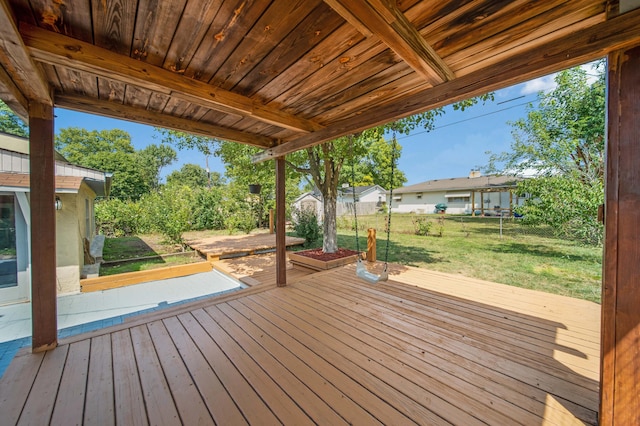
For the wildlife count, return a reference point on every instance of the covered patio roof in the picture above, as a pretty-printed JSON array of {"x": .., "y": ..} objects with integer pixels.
[{"x": 283, "y": 74}]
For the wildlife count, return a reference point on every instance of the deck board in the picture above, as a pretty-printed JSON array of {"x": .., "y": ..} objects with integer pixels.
[
  {"x": 220, "y": 246},
  {"x": 128, "y": 397},
  {"x": 157, "y": 395},
  {"x": 427, "y": 348},
  {"x": 69, "y": 405}
]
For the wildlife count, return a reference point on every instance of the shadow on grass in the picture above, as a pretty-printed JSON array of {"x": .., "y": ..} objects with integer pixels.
[
  {"x": 538, "y": 250},
  {"x": 410, "y": 255}
]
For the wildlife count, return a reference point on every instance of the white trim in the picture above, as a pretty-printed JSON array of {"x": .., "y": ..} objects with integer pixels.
[{"x": 464, "y": 194}]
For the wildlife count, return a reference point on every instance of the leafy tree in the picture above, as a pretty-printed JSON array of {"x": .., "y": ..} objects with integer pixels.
[
  {"x": 324, "y": 163},
  {"x": 170, "y": 210},
  {"x": 11, "y": 123},
  {"x": 108, "y": 150},
  {"x": 190, "y": 175},
  {"x": 193, "y": 176},
  {"x": 152, "y": 159},
  {"x": 562, "y": 141}
]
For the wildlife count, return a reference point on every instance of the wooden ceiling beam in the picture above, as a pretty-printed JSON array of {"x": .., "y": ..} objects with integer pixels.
[
  {"x": 572, "y": 50},
  {"x": 18, "y": 66},
  {"x": 13, "y": 97},
  {"x": 57, "y": 49},
  {"x": 385, "y": 20},
  {"x": 144, "y": 116}
]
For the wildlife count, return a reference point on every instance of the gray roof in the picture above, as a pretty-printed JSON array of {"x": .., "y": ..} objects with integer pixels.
[
  {"x": 486, "y": 183},
  {"x": 359, "y": 189}
]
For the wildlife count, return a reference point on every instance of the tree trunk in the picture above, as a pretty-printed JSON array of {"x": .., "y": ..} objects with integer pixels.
[{"x": 329, "y": 228}]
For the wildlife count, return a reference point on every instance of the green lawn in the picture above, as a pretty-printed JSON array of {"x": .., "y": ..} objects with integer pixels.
[
  {"x": 472, "y": 247},
  {"x": 529, "y": 258}
]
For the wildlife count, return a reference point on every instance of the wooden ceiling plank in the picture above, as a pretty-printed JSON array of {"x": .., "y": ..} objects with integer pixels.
[
  {"x": 307, "y": 35},
  {"x": 197, "y": 19},
  {"x": 573, "y": 49},
  {"x": 227, "y": 30},
  {"x": 16, "y": 61},
  {"x": 527, "y": 34},
  {"x": 315, "y": 85},
  {"x": 77, "y": 82},
  {"x": 327, "y": 52},
  {"x": 321, "y": 98},
  {"x": 111, "y": 90},
  {"x": 57, "y": 49},
  {"x": 155, "y": 27},
  {"x": 152, "y": 118},
  {"x": 267, "y": 33},
  {"x": 59, "y": 17},
  {"x": 386, "y": 21},
  {"x": 113, "y": 24}
]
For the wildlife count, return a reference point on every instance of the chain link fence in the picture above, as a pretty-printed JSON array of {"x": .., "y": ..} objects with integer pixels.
[{"x": 448, "y": 225}]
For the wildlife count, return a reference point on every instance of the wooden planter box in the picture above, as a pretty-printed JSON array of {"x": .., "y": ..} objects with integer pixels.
[
  {"x": 131, "y": 278},
  {"x": 319, "y": 265}
]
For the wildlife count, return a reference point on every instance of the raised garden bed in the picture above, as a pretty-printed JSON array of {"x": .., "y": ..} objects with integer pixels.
[{"x": 317, "y": 260}]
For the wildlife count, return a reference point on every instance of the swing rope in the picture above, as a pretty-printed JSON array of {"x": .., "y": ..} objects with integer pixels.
[{"x": 361, "y": 271}]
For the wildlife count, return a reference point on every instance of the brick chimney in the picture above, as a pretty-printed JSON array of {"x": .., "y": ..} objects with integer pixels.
[{"x": 474, "y": 174}]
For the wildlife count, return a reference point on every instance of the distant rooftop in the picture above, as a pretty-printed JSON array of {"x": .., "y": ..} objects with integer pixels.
[{"x": 461, "y": 184}]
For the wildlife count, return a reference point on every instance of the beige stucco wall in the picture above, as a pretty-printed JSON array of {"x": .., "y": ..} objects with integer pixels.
[{"x": 70, "y": 231}]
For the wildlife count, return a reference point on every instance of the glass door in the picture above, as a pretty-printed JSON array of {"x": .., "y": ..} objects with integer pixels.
[{"x": 13, "y": 262}]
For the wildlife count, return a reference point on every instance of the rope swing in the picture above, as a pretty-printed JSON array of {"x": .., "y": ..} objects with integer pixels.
[{"x": 361, "y": 270}]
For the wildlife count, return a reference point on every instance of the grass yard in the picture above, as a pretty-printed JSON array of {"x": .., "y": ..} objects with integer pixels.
[
  {"x": 473, "y": 247},
  {"x": 529, "y": 258},
  {"x": 147, "y": 264}
]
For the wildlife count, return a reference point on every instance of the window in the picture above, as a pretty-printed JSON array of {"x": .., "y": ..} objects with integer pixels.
[
  {"x": 458, "y": 199},
  {"x": 87, "y": 219}
]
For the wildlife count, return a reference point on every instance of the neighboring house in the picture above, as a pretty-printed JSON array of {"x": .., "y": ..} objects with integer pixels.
[
  {"x": 310, "y": 201},
  {"x": 76, "y": 190},
  {"x": 369, "y": 200},
  {"x": 475, "y": 194}
]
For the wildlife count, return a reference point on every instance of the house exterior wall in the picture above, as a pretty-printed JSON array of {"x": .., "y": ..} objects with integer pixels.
[
  {"x": 426, "y": 204},
  {"x": 70, "y": 232}
]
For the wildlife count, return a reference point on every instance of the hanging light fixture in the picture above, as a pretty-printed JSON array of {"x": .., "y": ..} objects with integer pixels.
[{"x": 58, "y": 203}]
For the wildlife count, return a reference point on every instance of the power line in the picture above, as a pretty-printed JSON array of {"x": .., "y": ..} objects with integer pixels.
[{"x": 467, "y": 119}]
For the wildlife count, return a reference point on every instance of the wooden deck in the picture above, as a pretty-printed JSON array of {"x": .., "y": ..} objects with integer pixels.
[
  {"x": 425, "y": 347},
  {"x": 259, "y": 269},
  {"x": 219, "y": 246}
]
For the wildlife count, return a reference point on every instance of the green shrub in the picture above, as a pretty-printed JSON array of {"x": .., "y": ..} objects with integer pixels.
[
  {"x": 208, "y": 211},
  {"x": 421, "y": 225},
  {"x": 118, "y": 218},
  {"x": 305, "y": 225}
]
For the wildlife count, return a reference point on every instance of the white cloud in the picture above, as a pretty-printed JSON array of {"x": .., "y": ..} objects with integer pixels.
[{"x": 542, "y": 84}]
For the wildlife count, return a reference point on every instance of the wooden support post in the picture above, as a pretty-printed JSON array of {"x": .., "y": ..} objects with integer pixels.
[
  {"x": 43, "y": 228},
  {"x": 620, "y": 363},
  {"x": 510, "y": 203},
  {"x": 371, "y": 245},
  {"x": 281, "y": 248},
  {"x": 473, "y": 203},
  {"x": 481, "y": 203},
  {"x": 271, "y": 221}
]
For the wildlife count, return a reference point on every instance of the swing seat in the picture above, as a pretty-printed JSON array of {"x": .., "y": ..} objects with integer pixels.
[{"x": 361, "y": 272}]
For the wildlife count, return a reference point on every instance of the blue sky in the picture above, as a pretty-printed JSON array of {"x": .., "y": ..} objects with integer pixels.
[{"x": 457, "y": 145}]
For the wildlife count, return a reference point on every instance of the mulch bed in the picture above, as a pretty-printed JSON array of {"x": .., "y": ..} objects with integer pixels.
[{"x": 318, "y": 254}]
